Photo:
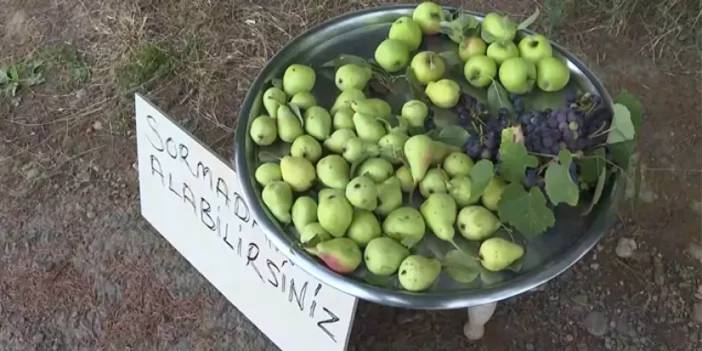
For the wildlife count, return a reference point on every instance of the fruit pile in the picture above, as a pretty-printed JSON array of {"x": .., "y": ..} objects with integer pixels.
[{"x": 473, "y": 149}]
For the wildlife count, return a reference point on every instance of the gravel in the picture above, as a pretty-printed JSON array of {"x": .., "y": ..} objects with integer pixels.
[
  {"x": 596, "y": 323},
  {"x": 697, "y": 312},
  {"x": 625, "y": 247}
]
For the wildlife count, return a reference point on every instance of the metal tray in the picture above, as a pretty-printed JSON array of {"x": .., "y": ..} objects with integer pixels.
[{"x": 358, "y": 34}]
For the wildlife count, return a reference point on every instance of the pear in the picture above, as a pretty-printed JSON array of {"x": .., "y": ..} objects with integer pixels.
[
  {"x": 304, "y": 100},
  {"x": 406, "y": 225},
  {"x": 272, "y": 99},
  {"x": 497, "y": 28},
  {"x": 263, "y": 130},
  {"x": 307, "y": 147},
  {"x": 384, "y": 255},
  {"x": 391, "y": 146},
  {"x": 477, "y": 222},
  {"x": 298, "y": 78},
  {"x": 497, "y": 254},
  {"x": 441, "y": 151},
  {"x": 304, "y": 212},
  {"x": 346, "y": 98},
  {"x": 277, "y": 196},
  {"x": 460, "y": 188},
  {"x": 392, "y": 55},
  {"x": 318, "y": 122},
  {"x": 338, "y": 140},
  {"x": 415, "y": 112},
  {"x": 428, "y": 67},
  {"x": 333, "y": 171},
  {"x": 312, "y": 234},
  {"x": 364, "y": 227},
  {"x": 267, "y": 173},
  {"x": 352, "y": 76},
  {"x": 418, "y": 151},
  {"x": 361, "y": 193},
  {"x": 334, "y": 212},
  {"x": 298, "y": 172},
  {"x": 368, "y": 127},
  {"x": 357, "y": 150},
  {"x": 429, "y": 16},
  {"x": 405, "y": 176},
  {"x": 418, "y": 273},
  {"x": 376, "y": 168},
  {"x": 471, "y": 46},
  {"x": 407, "y": 31},
  {"x": 434, "y": 182},
  {"x": 439, "y": 211},
  {"x": 381, "y": 107},
  {"x": 458, "y": 164},
  {"x": 343, "y": 118},
  {"x": 289, "y": 126},
  {"x": 341, "y": 255},
  {"x": 389, "y": 196},
  {"x": 443, "y": 93},
  {"x": 493, "y": 193}
]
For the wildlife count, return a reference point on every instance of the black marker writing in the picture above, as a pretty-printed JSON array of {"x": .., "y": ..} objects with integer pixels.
[
  {"x": 332, "y": 319},
  {"x": 241, "y": 209},
  {"x": 170, "y": 143},
  {"x": 205, "y": 217},
  {"x": 223, "y": 189},
  {"x": 314, "y": 303},
  {"x": 152, "y": 125},
  {"x": 299, "y": 298},
  {"x": 170, "y": 185},
  {"x": 189, "y": 197},
  {"x": 251, "y": 257},
  {"x": 156, "y": 168},
  {"x": 271, "y": 267}
]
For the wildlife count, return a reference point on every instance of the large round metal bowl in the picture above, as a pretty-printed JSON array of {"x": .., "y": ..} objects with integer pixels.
[{"x": 359, "y": 33}]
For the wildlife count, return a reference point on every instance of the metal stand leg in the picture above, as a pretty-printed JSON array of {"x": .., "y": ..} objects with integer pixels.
[{"x": 477, "y": 317}]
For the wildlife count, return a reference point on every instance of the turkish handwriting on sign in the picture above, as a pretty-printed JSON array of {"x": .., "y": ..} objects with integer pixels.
[{"x": 192, "y": 198}]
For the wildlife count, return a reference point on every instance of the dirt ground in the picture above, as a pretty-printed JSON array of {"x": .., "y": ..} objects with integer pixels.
[{"x": 81, "y": 270}]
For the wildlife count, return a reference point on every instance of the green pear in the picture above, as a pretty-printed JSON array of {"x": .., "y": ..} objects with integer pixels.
[
  {"x": 392, "y": 145},
  {"x": 517, "y": 75},
  {"x": 392, "y": 55},
  {"x": 477, "y": 222},
  {"x": 428, "y": 67},
  {"x": 272, "y": 99},
  {"x": 381, "y": 107},
  {"x": 304, "y": 100},
  {"x": 415, "y": 112},
  {"x": 338, "y": 139},
  {"x": 343, "y": 118},
  {"x": 333, "y": 171},
  {"x": 407, "y": 31},
  {"x": 443, "y": 93},
  {"x": 304, "y": 212},
  {"x": 318, "y": 123},
  {"x": 429, "y": 16},
  {"x": 277, "y": 196},
  {"x": 389, "y": 196},
  {"x": 501, "y": 52},
  {"x": 346, "y": 98},
  {"x": 307, "y": 147},
  {"x": 334, "y": 212},
  {"x": 361, "y": 193},
  {"x": 289, "y": 126},
  {"x": 341, "y": 255},
  {"x": 493, "y": 193},
  {"x": 267, "y": 173},
  {"x": 418, "y": 151},
  {"x": 263, "y": 130},
  {"x": 384, "y": 255},
  {"x": 298, "y": 172},
  {"x": 497, "y": 28},
  {"x": 298, "y": 78},
  {"x": 368, "y": 127},
  {"x": 418, "y": 273},
  {"x": 434, "y": 182},
  {"x": 439, "y": 211},
  {"x": 458, "y": 164},
  {"x": 352, "y": 76},
  {"x": 441, "y": 151},
  {"x": 357, "y": 150},
  {"x": 480, "y": 71},
  {"x": 378, "y": 169},
  {"x": 312, "y": 234},
  {"x": 553, "y": 74},
  {"x": 535, "y": 47},
  {"x": 460, "y": 189},
  {"x": 497, "y": 254},
  {"x": 406, "y": 225},
  {"x": 405, "y": 176},
  {"x": 364, "y": 227},
  {"x": 471, "y": 46}
]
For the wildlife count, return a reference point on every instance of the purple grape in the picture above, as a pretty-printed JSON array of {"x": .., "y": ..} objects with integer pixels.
[
  {"x": 547, "y": 141},
  {"x": 552, "y": 123},
  {"x": 561, "y": 116},
  {"x": 530, "y": 178}
]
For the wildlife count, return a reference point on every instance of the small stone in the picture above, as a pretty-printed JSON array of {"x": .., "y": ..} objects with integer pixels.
[
  {"x": 581, "y": 300},
  {"x": 97, "y": 125},
  {"x": 80, "y": 93},
  {"x": 625, "y": 247},
  {"x": 569, "y": 338},
  {"x": 595, "y": 266},
  {"x": 697, "y": 312},
  {"x": 530, "y": 347},
  {"x": 90, "y": 214},
  {"x": 695, "y": 250},
  {"x": 658, "y": 271},
  {"x": 32, "y": 173},
  {"x": 596, "y": 323}
]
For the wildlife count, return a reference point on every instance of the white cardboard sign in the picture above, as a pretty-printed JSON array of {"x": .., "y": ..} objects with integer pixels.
[{"x": 193, "y": 199}]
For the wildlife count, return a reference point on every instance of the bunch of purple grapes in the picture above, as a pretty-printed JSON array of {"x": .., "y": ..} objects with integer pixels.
[{"x": 485, "y": 131}]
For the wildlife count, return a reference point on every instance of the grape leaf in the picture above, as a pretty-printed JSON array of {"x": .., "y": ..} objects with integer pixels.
[
  {"x": 592, "y": 165},
  {"x": 529, "y": 21},
  {"x": 296, "y": 110},
  {"x": 560, "y": 187},
  {"x": 453, "y": 135},
  {"x": 415, "y": 85},
  {"x": 451, "y": 58},
  {"x": 345, "y": 59},
  {"x": 514, "y": 160},
  {"x": 621, "y": 153},
  {"x": 598, "y": 191},
  {"x": 460, "y": 266},
  {"x": 444, "y": 118},
  {"x": 457, "y": 29},
  {"x": 480, "y": 175},
  {"x": 498, "y": 98},
  {"x": 622, "y": 126},
  {"x": 525, "y": 211},
  {"x": 274, "y": 152}
]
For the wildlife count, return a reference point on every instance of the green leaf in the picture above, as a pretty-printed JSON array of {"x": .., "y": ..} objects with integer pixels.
[
  {"x": 13, "y": 74},
  {"x": 591, "y": 165},
  {"x": 451, "y": 58},
  {"x": 487, "y": 37},
  {"x": 622, "y": 127},
  {"x": 3, "y": 76},
  {"x": 462, "y": 267},
  {"x": 457, "y": 28},
  {"x": 529, "y": 21},
  {"x": 415, "y": 86},
  {"x": 480, "y": 175},
  {"x": 273, "y": 153},
  {"x": 497, "y": 98},
  {"x": 539, "y": 100},
  {"x": 598, "y": 191},
  {"x": 296, "y": 110},
  {"x": 525, "y": 211},
  {"x": 621, "y": 153},
  {"x": 514, "y": 160},
  {"x": 345, "y": 59},
  {"x": 444, "y": 117},
  {"x": 560, "y": 187},
  {"x": 634, "y": 105},
  {"x": 453, "y": 135}
]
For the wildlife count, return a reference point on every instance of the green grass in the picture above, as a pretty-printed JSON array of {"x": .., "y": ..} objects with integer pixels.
[
  {"x": 20, "y": 75},
  {"x": 67, "y": 67},
  {"x": 144, "y": 66}
]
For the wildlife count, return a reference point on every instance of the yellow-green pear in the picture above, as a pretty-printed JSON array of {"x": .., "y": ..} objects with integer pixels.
[
  {"x": 458, "y": 164},
  {"x": 298, "y": 172},
  {"x": 376, "y": 168},
  {"x": 341, "y": 255},
  {"x": 477, "y": 222},
  {"x": 405, "y": 176},
  {"x": 343, "y": 118},
  {"x": 333, "y": 171},
  {"x": 298, "y": 78},
  {"x": 318, "y": 123},
  {"x": 263, "y": 130},
  {"x": 439, "y": 211},
  {"x": 334, "y": 212},
  {"x": 346, "y": 98},
  {"x": 272, "y": 99},
  {"x": 497, "y": 254},
  {"x": 289, "y": 125},
  {"x": 352, "y": 76},
  {"x": 443, "y": 93},
  {"x": 338, "y": 140},
  {"x": 460, "y": 188},
  {"x": 304, "y": 212},
  {"x": 313, "y": 233},
  {"x": 434, "y": 182},
  {"x": 406, "y": 30},
  {"x": 307, "y": 147},
  {"x": 364, "y": 227},
  {"x": 304, "y": 100},
  {"x": 268, "y": 172},
  {"x": 389, "y": 196},
  {"x": 362, "y": 193},
  {"x": 384, "y": 255},
  {"x": 392, "y": 55},
  {"x": 418, "y": 273},
  {"x": 277, "y": 196},
  {"x": 406, "y": 225},
  {"x": 368, "y": 127},
  {"x": 493, "y": 193}
]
